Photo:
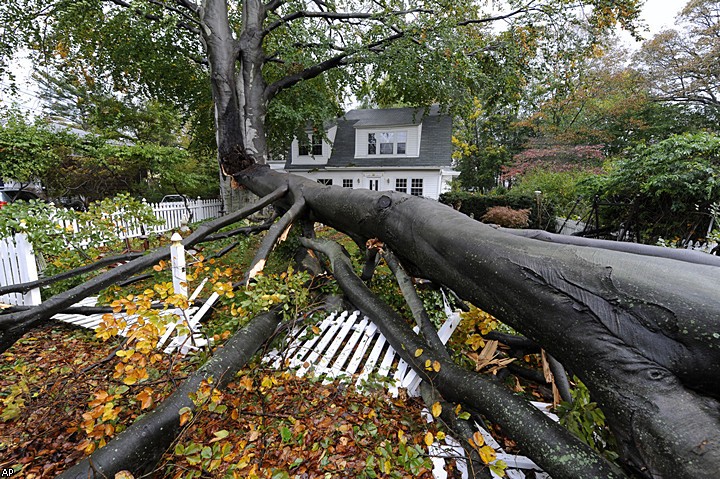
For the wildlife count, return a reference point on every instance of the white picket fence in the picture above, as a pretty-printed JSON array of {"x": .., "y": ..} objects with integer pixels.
[
  {"x": 177, "y": 213},
  {"x": 17, "y": 265},
  {"x": 173, "y": 216}
]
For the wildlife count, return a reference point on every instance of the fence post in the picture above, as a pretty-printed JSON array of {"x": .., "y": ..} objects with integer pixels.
[
  {"x": 28, "y": 268},
  {"x": 177, "y": 258}
]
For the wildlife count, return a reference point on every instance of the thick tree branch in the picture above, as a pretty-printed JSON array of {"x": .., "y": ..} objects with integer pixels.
[
  {"x": 638, "y": 331},
  {"x": 280, "y": 228},
  {"x": 416, "y": 305},
  {"x": 245, "y": 230},
  {"x": 689, "y": 256},
  {"x": 461, "y": 429},
  {"x": 342, "y": 16},
  {"x": 154, "y": 18},
  {"x": 189, "y": 4},
  {"x": 316, "y": 70},
  {"x": 25, "y": 287}
]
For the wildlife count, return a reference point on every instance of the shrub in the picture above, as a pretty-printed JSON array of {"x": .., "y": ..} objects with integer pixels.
[
  {"x": 507, "y": 217},
  {"x": 476, "y": 205}
]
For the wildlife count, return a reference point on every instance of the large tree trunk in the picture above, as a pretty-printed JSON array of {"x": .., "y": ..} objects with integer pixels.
[
  {"x": 238, "y": 90},
  {"x": 642, "y": 332}
]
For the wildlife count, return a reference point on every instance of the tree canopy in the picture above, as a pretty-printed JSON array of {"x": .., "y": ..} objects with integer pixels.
[{"x": 682, "y": 64}]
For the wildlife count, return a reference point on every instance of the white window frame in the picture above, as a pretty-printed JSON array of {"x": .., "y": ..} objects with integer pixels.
[
  {"x": 387, "y": 143},
  {"x": 416, "y": 186},
  {"x": 314, "y": 142}
]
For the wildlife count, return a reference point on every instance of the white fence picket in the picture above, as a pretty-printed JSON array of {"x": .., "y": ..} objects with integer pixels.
[
  {"x": 17, "y": 265},
  {"x": 176, "y": 213}
]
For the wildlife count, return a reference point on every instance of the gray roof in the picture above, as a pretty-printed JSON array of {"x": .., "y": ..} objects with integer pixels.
[{"x": 435, "y": 144}]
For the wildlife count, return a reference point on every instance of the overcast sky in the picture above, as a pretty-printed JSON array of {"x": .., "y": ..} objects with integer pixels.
[{"x": 658, "y": 14}]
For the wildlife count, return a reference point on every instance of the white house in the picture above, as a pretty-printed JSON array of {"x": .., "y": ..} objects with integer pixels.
[{"x": 402, "y": 149}]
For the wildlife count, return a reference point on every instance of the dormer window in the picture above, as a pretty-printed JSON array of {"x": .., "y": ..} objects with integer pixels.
[
  {"x": 312, "y": 146},
  {"x": 390, "y": 142}
]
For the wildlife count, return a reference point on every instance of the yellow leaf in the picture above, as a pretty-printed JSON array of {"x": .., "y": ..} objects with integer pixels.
[
  {"x": 487, "y": 454},
  {"x": 440, "y": 435},
  {"x": 401, "y": 436},
  {"x": 478, "y": 439},
  {"x": 429, "y": 438},
  {"x": 436, "y": 366},
  {"x": 418, "y": 352},
  {"x": 436, "y": 409},
  {"x": 185, "y": 415},
  {"x": 124, "y": 475},
  {"x": 246, "y": 382},
  {"x": 428, "y": 365}
]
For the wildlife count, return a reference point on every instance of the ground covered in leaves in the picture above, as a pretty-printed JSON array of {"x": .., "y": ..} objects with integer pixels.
[{"x": 59, "y": 401}]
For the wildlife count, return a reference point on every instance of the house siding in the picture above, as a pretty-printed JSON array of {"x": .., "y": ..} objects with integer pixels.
[
  {"x": 314, "y": 160},
  {"x": 412, "y": 147},
  {"x": 432, "y": 186},
  {"x": 345, "y": 158}
]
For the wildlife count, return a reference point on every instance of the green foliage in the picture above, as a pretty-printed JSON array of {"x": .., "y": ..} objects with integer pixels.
[
  {"x": 559, "y": 188},
  {"x": 476, "y": 205},
  {"x": 288, "y": 289},
  {"x": 584, "y": 419},
  {"x": 28, "y": 151},
  {"x": 53, "y": 231},
  {"x": 668, "y": 187},
  {"x": 94, "y": 168}
]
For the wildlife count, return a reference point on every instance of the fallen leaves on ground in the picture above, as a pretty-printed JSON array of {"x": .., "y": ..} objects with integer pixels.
[{"x": 59, "y": 402}]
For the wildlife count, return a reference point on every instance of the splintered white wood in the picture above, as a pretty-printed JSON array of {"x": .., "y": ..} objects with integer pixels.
[
  {"x": 515, "y": 461},
  {"x": 400, "y": 372},
  {"x": 454, "y": 450},
  {"x": 437, "y": 457},
  {"x": 205, "y": 308},
  {"x": 327, "y": 336},
  {"x": 386, "y": 364},
  {"x": 90, "y": 322},
  {"x": 362, "y": 347},
  {"x": 449, "y": 327},
  {"x": 197, "y": 291},
  {"x": 545, "y": 408}
]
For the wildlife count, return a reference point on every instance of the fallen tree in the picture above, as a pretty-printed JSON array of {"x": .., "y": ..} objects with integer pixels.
[{"x": 640, "y": 331}]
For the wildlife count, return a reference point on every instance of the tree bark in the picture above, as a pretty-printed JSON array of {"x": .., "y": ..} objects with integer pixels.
[{"x": 643, "y": 333}]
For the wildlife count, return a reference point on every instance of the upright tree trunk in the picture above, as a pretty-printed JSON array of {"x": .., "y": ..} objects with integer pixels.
[{"x": 238, "y": 91}]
